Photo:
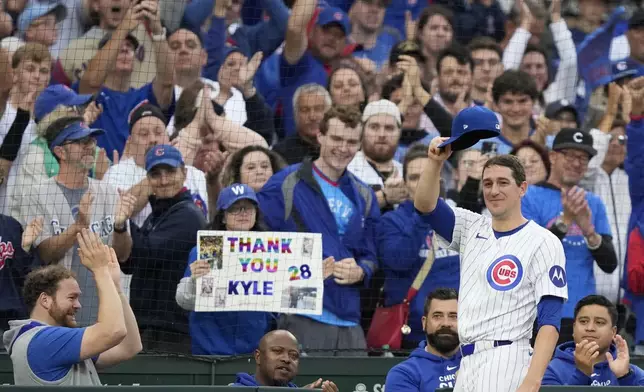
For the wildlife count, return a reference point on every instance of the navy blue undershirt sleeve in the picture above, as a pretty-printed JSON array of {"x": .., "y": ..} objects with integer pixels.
[
  {"x": 549, "y": 311},
  {"x": 442, "y": 219}
]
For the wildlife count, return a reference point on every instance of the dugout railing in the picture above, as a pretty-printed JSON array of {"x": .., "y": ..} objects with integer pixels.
[{"x": 350, "y": 374}]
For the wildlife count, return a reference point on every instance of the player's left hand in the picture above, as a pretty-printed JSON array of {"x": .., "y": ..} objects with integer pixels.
[
  {"x": 347, "y": 271},
  {"x": 620, "y": 365}
]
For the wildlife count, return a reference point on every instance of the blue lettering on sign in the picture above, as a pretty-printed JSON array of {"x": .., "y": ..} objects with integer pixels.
[{"x": 252, "y": 287}]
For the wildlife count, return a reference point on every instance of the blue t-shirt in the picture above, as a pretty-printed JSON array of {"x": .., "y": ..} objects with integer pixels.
[
  {"x": 117, "y": 106},
  {"x": 307, "y": 70},
  {"x": 340, "y": 205},
  {"x": 53, "y": 351},
  {"x": 542, "y": 204}
]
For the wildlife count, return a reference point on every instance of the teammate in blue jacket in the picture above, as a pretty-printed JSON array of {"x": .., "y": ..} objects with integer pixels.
[
  {"x": 433, "y": 365},
  {"x": 598, "y": 356}
]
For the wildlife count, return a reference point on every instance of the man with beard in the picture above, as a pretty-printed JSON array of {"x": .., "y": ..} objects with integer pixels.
[
  {"x": 454, "y": 66},
  {"x": 70, "y": 202},
  {"x": 374, "y": 164},
  {"x": 578, "y": 218},
  {"x": 148, "y": 129},
  {"x": 277, "y": 360},
  {"x": 49, "y": 348},
  {"x": 434, "y": 364},
  {"x": 322, "y": 196}
]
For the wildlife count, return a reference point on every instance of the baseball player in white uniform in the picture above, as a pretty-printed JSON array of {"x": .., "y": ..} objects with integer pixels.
[{"x": 512, "y": 271}]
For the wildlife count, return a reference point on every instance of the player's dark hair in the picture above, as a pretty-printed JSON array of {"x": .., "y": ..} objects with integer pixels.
[
  {"x": 485, "y": 43},
  {"x": 442, "y": 294},
  {"x": 601, "y": 301},
  {"x": 514, "y": 82},
  {"x": 458, "y": 52},
  {"x": 416, "y": 151},
  {"x": 43, "y": 280},
  {"x": 512, "y": 163}
]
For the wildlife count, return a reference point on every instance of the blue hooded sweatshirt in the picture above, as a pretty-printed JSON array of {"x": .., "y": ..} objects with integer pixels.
[
  {"x": 246, "y": 380},
  {"x": 423, "y": 372},
  {"x": 562, "y": 371}
]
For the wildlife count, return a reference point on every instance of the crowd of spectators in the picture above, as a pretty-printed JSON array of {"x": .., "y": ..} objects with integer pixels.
[{"x": 134, "y": 119}]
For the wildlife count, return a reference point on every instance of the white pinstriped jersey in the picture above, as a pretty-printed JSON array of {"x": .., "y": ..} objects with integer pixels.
[{"x": 503, "y": 279}]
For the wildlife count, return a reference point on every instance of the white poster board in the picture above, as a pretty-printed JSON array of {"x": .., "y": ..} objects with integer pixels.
[{"x": 260, "y": 271}]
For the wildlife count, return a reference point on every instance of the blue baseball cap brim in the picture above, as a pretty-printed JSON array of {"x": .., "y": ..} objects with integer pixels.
[
  {"x": 75, "y": 131},
  {"x": 56, "y": 95},
  {"x": 229, "y": 203},
  {"x": 172, "y": 162},
  {"x": 467, "y": 140},
  {"x": 36, "y": 10}
]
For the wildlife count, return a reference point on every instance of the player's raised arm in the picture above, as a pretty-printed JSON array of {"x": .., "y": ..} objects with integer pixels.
[{"x": 427, "y": 201}]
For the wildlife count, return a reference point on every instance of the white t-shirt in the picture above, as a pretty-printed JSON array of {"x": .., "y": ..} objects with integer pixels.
[
  {"x": 28, "y": 136},
  {"x": 126, "y": 174}
]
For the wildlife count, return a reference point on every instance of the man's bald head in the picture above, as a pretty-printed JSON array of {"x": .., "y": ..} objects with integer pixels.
[{"x": 276, "y": 336}]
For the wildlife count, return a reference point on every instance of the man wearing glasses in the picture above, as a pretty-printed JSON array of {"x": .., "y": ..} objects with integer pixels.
[
  {"x": 70, "y": 202},
  {"x": 575, "y": 216}
]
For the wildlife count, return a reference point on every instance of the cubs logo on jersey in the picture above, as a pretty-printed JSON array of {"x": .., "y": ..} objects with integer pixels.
[{"x": 505, "y": 273}]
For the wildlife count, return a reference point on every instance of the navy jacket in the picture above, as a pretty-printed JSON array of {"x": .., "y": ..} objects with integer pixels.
[
  {"x": 423, "y": 372},
  {"x": 15, "y": 264},
  {"x": 562, "y": 371},
  {"x": 292, "y": 201},
  {"x": 403, "y": 242},
  {"x": 160, "y": 249}
]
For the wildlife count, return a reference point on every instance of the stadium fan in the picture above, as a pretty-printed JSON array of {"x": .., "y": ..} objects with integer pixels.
[
  {"x": 223, "y": 333},
  {"x": 454, "y": 69},
  {"x": 578, "y": 218},
  {"x": 277, "y": 362},
  {"x": 486, "y": 55},
  {"x": 374, "y": 39},
  {"x": 160, "y": 248},
  {"x": 534, "y": 159},
  {"x": 435, "y": 363},
  {"x": 435, "y": 32},
  {"x": 404, "y": 246},
  {"x": 49, "y": 348},
  {"x": 597, "y": 356},
  {"x": 253, "y": 166},
  {"x": 324, "y": 197},
  {"x": 310, "y": 102}
]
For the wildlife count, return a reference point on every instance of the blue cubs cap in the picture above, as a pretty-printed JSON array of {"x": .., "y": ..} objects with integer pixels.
[
  {"x": 163, "y": 154},
  {"x": 37, "y": 9},
  {"x": 55, "y": 95},
  {"x": 234, "y": 193},
  {"x": 74, "y": 131},
  {"x": 329, "y": 15},
  {"x": 626, "y": 68},
  {"x": 470, "y": 126}
]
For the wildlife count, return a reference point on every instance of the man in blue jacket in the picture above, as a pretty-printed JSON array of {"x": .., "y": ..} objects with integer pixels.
[
  {"x": 277, "y": 361},
  {"x": 597, "y": 356},
  {"x": 404, "y": 243},
  {"x": 324, "y": 197},
  {"x": 434, "y": 364}
]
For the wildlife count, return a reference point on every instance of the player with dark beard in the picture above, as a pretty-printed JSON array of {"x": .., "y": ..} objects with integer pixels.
[{"x": 433, "y": 365}]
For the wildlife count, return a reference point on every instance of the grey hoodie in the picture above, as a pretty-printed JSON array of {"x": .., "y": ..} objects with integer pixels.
[{"x": 16, "y": 341}]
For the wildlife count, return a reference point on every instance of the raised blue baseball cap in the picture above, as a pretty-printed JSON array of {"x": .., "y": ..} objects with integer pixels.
[
  {"x": 74, "y": 131},
  {"x": 163, "y": 154},
  {"x": 37, "y": 9},
  {"x": 234, "y": 193},
  {"x": 329, "y": 15},
  {"x": 470, "y": 126},
  {"x": 55, "y": 95}
]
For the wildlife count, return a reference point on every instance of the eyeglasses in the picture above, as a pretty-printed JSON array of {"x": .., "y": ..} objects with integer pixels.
[
  {"x": 236, "y": 210},
  {"x": 571, "y": 157},
  {"x": 621, "y": 139}
]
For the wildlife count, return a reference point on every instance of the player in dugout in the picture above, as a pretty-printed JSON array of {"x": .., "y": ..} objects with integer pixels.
[{"x": 277, "y": 360}]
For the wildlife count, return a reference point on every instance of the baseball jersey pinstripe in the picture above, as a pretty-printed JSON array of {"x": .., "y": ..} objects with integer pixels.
[
  {"x": 49, "y": 201},
  {"x": 503, "y": 277}
]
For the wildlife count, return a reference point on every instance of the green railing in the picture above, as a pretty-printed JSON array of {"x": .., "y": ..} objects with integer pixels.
[{"x": 350, "y": 374}]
